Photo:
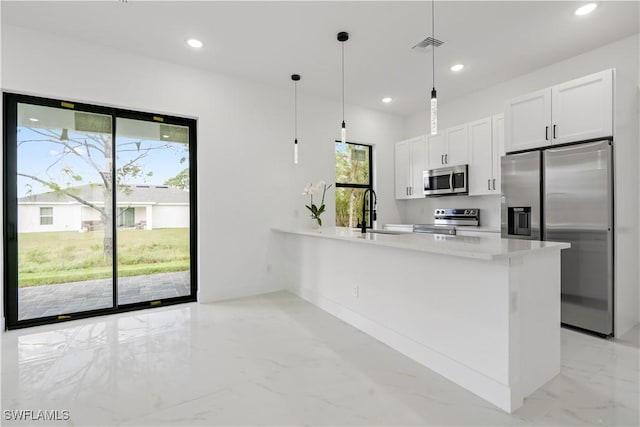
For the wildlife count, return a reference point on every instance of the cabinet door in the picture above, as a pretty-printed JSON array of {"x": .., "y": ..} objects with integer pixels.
[
  {"x": 436, "y": 149},
  {"x": 529, "y": 121},
  {"x": 498, "y": 151},
  {"x": 583, "y": 108},
  {"x": 403, "y": 172},
  {"x": 457, "y": 141},
  {"x": 481, "y": 157},
  {"x": 418, "y": 165}
]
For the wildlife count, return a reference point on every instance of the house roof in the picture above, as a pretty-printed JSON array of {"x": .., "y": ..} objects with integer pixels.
[{"x": 93, "y": 193}]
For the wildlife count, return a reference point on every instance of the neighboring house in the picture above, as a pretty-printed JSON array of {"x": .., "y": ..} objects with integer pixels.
[{"x": 144, "y": 207}]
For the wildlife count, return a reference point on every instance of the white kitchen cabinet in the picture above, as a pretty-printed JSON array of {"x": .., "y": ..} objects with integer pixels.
[
  {"x": 529, "y": 121},
  {"x": 497, "y": 122},
  {"x": 574, "y": 111},
  {"x": 481, "y": 150},
  {"x": 436, "y": 148},
  {"x": 403, "y": 169},
  {"x": 486, "y": 145},
  {"x": 583, "y": 108},
  {"x": 410, "y": 162},
  {"x": 449, "y": 147}
]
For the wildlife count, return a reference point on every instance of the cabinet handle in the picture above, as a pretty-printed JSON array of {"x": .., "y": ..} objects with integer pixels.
[
  {"x": 446, "y": 159},
  {"x": 488, "y": 184},
  {"x": 494, "y": 183},
  {"x": 546, "y": 133},
  {"x": 406, "y": 191},
  {"x": 554, "y": 131},
  {"x": 411, "y": 191},
  {"x": 442, "y": 159}
]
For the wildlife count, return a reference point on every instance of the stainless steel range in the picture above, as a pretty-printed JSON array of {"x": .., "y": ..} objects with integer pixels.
[
  {"x": 457, "y": 217},
  {"x": 446, "y": 220}
]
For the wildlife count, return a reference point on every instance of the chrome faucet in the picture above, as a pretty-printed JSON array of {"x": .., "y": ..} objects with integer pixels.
[{"x": 364, "y": 209}]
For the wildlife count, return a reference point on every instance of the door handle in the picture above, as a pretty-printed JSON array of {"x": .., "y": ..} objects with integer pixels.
[
  {"x": 11, "y": 232},
  {"x": 488, "y": 184},
  {"x": 494, "y": 183},
  {"x": 554, "y": 131},
  {"x": 546, "y": 133}
]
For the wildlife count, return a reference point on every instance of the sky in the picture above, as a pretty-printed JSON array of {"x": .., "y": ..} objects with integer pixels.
[{"x": 47, "y": 159}]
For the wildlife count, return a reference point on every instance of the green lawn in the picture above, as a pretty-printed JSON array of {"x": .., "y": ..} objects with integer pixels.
[{"x": 60, "y": 257}]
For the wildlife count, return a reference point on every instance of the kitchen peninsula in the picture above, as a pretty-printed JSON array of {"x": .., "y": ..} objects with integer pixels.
[{"x": 483, "y": 312}]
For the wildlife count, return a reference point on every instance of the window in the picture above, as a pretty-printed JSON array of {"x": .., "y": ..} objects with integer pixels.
[
  {"x": 353, "y": 178},
  {"x": 46, "y": 216}
]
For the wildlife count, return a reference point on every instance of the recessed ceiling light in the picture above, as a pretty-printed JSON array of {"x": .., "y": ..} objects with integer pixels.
[
  {"x": 33, "y": 119},
  {"x": 586, "y": 9},
  {"x": 195, "y": 43},
  {"x": 387, "y": 100},
  {"x": 457, "y": 67}
]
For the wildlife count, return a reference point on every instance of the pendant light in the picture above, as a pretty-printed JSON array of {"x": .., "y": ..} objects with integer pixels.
[
  {"x": 434, "y": 98},
  {"x": 296, "y": 79},
  {"x": 343, "y": 37}
]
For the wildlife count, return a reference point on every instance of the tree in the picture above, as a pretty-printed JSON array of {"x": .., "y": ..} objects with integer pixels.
[
  {"x": 95, "y": 150},
  {"x": 350, "y": 169},
  {"x": 181, "y": 180}
]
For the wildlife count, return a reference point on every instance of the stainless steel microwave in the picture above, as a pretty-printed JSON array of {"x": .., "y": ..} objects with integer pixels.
[{"x": 443, "y": 181}]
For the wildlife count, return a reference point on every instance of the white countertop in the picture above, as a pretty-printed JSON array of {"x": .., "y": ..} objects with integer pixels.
[{"x": 487, "y": 248}]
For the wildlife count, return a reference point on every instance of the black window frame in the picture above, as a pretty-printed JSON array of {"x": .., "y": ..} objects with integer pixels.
[
  {"x": 361, "y": 186},
  {"x": 10, "y": 102}
]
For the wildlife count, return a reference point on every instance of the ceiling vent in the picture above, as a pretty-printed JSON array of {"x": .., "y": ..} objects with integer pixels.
[{"x": 427, "y": 44}]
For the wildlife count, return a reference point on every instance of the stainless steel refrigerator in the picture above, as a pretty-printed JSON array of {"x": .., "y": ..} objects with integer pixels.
[{"x": 565, "y": 194}]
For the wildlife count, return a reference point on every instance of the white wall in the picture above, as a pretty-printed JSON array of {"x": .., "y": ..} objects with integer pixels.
[
  {"x": 176, "y": 216},
  {"x": 246, "y": 177},
  {"x": 65, "y": 218},
  {"x": 624, "y": 57}
]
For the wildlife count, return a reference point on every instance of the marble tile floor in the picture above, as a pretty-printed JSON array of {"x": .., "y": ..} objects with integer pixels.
[
  {"x": 66, "y": 298},
  {"x": 278, "y": 360}
]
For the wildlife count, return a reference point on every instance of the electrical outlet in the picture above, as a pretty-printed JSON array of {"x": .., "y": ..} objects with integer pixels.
[{"x": 355, "y": 291}]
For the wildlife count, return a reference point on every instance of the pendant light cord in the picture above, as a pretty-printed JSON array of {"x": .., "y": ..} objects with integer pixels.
[
  {"x": 342, "y": 81},
  {"x": 433, "y": 45}
]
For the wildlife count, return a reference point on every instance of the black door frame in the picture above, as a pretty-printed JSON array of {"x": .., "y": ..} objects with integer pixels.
[{"x": 10, "y": 207}]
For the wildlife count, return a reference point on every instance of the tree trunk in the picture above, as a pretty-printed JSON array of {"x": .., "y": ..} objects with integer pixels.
[{"x": 107, "y": 211}]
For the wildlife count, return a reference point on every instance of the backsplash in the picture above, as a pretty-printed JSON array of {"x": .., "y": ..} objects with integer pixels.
[{"x": 420, "y": 211}]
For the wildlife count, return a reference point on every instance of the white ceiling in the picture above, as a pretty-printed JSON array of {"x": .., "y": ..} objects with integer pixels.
[{"x": 268, "y": 41}]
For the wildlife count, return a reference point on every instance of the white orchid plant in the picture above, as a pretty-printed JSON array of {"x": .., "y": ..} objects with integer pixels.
[{"x": 310, "y": 190}]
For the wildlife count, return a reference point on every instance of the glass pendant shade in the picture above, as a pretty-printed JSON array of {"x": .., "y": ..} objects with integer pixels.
[
  {"x": 343, "y": 133},
  {"x": 434, "y": 112},
  {"x": 295, "y": 152}
]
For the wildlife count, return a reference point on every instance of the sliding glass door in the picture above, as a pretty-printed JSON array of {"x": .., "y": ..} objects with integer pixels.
[{"x": 99, "y": 210}]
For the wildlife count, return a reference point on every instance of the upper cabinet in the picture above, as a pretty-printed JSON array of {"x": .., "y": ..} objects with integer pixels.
[
  {"x": 583, "y": 108},
  {"x": 577, "y": 110},
  {"x": 410, "y": 163},
  {"x": 529, "y": 121},
  {"x": 450, "y": 147}
]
